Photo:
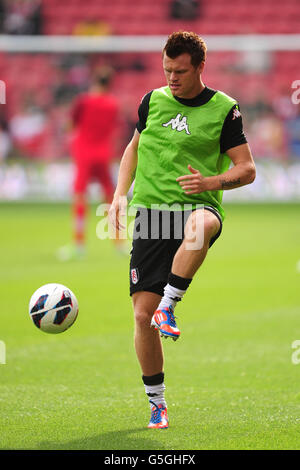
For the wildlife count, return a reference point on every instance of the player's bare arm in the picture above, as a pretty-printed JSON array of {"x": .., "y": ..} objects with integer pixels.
[
  {"x": 125, "y": 178},
  {"x": 242, "y": 173}
]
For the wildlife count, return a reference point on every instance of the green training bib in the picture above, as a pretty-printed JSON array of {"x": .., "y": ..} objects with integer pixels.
[{"x": 177, "y": 135}]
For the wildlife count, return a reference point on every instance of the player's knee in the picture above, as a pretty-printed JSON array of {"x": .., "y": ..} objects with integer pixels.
[
  {"x": 142, "y": 318},
  {"x": 211, "y": 225},
  {"x": 195, "y": 231},
  {"x": 200, "y": 228},
  {"x": 79, "y": 198}
]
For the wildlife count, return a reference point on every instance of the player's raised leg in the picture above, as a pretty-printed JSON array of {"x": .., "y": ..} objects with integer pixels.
[
  {"x": 193, "y": 250},
  {"x": 150, "y": 356},
  {"x": 202, "y": 225}
]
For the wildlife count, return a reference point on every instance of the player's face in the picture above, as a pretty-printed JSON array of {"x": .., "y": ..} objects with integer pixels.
[{"x": 183, "y": 78}]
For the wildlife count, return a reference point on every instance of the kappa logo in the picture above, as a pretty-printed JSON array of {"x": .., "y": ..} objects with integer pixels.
[
  {"x": 236, "y": 113},
  {"x": 179, "y": 123},
  {"x": 134, "y": 276}
]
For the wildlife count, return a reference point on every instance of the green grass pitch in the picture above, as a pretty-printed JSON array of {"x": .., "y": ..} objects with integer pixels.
[{"x": 230, "y": 380}]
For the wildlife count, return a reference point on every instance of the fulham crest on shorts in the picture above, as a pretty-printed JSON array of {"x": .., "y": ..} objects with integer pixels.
[{"x": 134, "y": 276}]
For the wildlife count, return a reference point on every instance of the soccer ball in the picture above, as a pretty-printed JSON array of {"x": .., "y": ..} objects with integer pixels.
[{"x": 53, "y": 308}]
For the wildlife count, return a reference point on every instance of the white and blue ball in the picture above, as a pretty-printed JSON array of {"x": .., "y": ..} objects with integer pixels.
[{"x": 53, "y": 308}]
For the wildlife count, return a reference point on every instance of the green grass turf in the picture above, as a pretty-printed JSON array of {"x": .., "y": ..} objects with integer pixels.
[{"x": 230, "y": 380}]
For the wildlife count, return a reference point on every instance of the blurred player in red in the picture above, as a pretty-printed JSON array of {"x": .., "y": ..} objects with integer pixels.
[{"x": 94, "y": 117}]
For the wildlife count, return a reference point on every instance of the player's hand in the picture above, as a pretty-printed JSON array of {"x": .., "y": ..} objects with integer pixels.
[
  {"x": 193, "y": 183},
  {"x": 117, "y": 210}
]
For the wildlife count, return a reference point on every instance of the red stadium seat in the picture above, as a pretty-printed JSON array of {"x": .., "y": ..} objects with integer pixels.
[{"x": 152, "y": 18}]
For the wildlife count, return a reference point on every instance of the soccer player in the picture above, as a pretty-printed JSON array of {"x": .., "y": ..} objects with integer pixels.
[
  {"x": 94, "y": 117},
  {"x": 186, "y": 138}
]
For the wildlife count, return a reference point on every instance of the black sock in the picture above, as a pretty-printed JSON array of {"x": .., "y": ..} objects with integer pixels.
[
  {"x": 153, "y": 379},
  {"x": 178, "y": 282},
  {"x": 155, "y": 388}
]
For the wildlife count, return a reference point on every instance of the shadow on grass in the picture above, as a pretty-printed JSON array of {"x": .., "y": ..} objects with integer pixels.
[{"x": 114, "y": 440}]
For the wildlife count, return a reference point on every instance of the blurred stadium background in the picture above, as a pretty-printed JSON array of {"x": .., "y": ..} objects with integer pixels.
[
  {"x": 232, "y": 370},
  {"x": 49, "y": 48}
]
